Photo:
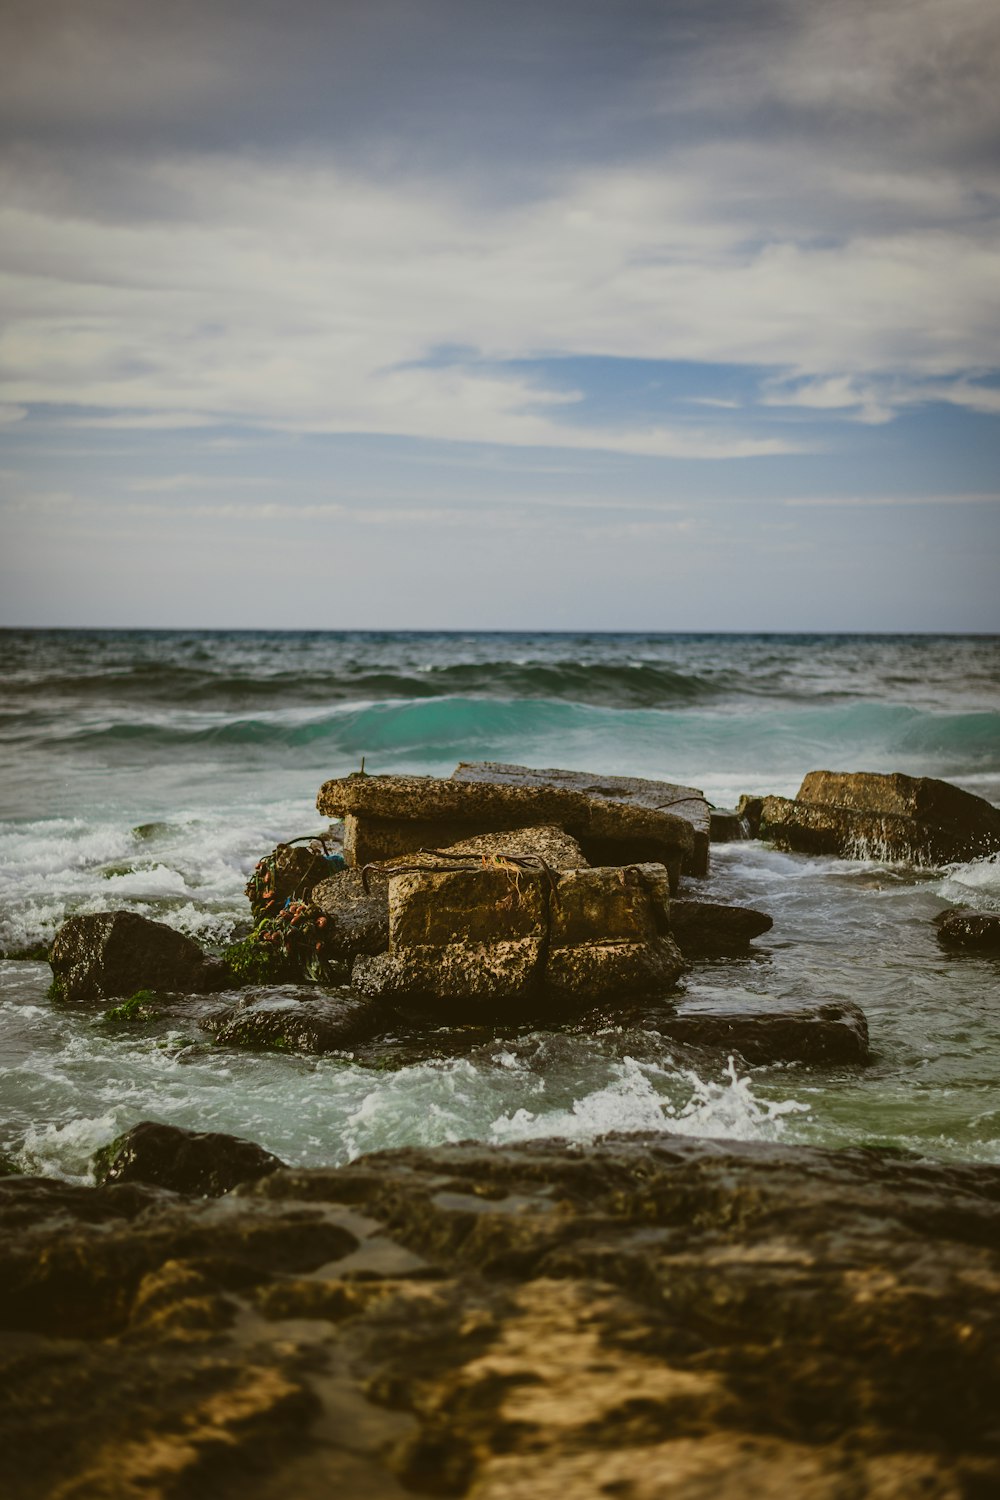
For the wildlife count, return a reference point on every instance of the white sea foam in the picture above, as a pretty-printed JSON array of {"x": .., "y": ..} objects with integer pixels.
[{"x": 974, "y": 884}]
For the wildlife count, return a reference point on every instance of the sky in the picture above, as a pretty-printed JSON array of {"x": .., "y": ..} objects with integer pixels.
[{"x": 556, "y": 314}]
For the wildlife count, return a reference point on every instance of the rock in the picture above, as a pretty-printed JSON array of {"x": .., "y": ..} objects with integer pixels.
[
  {"x": 818, "y": 1034},
  {"x": 861, "y": 815},
  {"x": 609, "y": 935},
  {"x": 727, "y": 826},
  {"x": 185, "y": 1161},
  {"x": 297, "y": 1023},
  {"x": 546, "y": 843},
  {"x": 708, "y": 927},
  {"x": 116, "y": 953},
  {"x": 520, "y": 937},
  {"x": 658, "y": 796},
  {"x": 393, "y": 815},
  {"x": 978, "y": 930},
  {"x": 649, "y": 1316},
  {"x": 357, "y": 912},
  {"x": 461, "y": 935}
]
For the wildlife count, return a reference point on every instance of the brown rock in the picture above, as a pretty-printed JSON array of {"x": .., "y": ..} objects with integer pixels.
[
  {"x": 819, "y": 1034},
  {"x": 185, "y": 1161},
  {"x": 659, "y": 796},
  {"x": 651, "y": 1316},
  {"x": 862, "y": 815},
  {"x": 977, "y": 930},
  {"x": 392, "y": 815},
  {"x": 114, "y": 954},
  {"x": 709, "y": 927},
  {"x": 608, "y": 935}
]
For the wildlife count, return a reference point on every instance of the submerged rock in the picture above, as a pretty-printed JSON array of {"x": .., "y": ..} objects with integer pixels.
[
  {"x": 649, "y": 1316},
  {"x": 768, "y": 1033},
  {"x": 862, "y": 815},
  {"x": 386, "y": 816},
  {"x": 297, "y": 1023},
  {"x": 185, "y": 1161},
  {"x": 978, "y": 930},
  {"x": 706, "y": 927},
  {"x": 117, "y": 953}
]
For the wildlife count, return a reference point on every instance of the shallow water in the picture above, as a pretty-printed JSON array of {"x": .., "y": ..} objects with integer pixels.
[{"x": 149, "y": 770}]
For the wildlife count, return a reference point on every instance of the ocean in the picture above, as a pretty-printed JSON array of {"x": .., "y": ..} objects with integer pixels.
[{"x": 149, "y": 770}]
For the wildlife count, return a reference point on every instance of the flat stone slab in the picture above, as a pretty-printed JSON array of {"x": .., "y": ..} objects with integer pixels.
[
  {"x": 390, "y": 815},
  {"x": 830, "y": 1033},
  {"x": 711, "y": 928},
  {"x": 685, "y": 802},
  {"x": 650, "y": 1316}
]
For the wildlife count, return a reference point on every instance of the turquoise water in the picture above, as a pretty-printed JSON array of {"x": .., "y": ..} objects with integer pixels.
[{"x": 149, "y": 770}]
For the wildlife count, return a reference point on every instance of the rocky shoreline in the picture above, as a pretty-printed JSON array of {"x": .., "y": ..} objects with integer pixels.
[{"x": 642, "y": 1316}]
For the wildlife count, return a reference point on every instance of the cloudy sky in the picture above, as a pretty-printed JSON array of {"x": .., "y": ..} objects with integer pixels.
[{"x": 555, "y": 313}]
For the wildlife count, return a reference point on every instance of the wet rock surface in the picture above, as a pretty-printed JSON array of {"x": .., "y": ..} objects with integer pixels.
[
  {"x": 976, "y": 930},
  {"x": 772, "y": 1032},
  {"x": 709, "y": 927},
  {"x": 185, "y": 1161},
  {"x": 385, "y": 816},
  {"x": 864, "y": 815},
  {"x": 524, "y": 936},
  {"x": 685, "y": 802},
  {"x": 649, "y": 1316},
  {"x": 297, "y": 1022},
  {"x": 114, "y": 954}
]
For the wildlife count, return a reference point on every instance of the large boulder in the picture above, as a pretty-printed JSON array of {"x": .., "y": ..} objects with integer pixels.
[
  {"x": 518, "y": 936},
  {"x": 186, "y": 1161},
  {"x": 864, "y": 815},
  {"x": 387, "y": 816},
  {"x": 609, "y": 935},
  {"x": 685, "y": 802},
  {"x": 116, "y": 953}
]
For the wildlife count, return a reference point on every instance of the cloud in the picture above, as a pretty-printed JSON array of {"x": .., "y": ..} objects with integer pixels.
[{"x": 185, "y": 246}]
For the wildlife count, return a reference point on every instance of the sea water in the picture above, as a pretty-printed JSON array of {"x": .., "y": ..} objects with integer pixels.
[{"x": 149, "y": 770}]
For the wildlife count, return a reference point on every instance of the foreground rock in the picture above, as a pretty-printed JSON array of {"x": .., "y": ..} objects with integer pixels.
[
  {"x": 978, "y": 930},
  {"x": 511, "y": 939},
  {"x": 685, "y": 802},
  {"x": 387, "y": 816},
  {"x": 186, "y": 1161},
  {"x": 652, "y": 1316},
  {"x": 114, "y": 954},
  {"x": 861, "y": 815}
]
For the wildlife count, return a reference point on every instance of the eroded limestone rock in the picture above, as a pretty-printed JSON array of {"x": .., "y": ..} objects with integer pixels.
[
  {"x": 658, "y": 796},
  {"x": 114, "y": 954},
  {"x": 862, "y": 815},
  {"x": 516, "y": 935},
  {"x": 769, "y": 1033},
  {"x": 649, "y": 1316},
  {"x": 386, "y": 816}
]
